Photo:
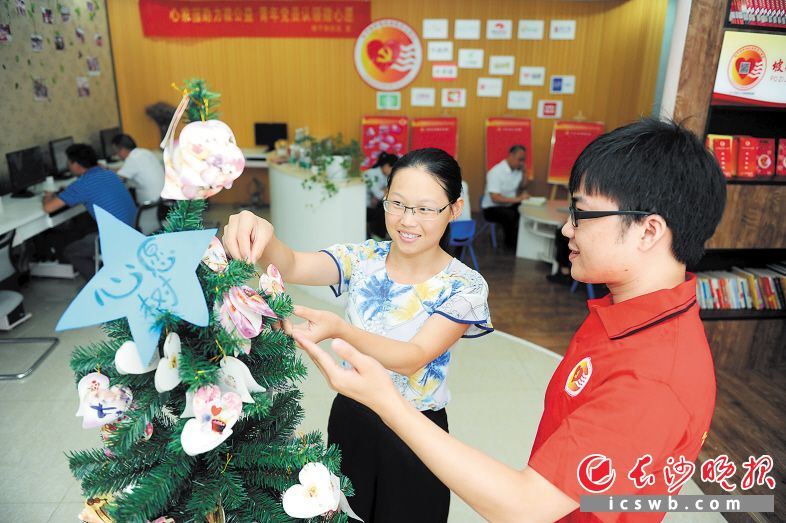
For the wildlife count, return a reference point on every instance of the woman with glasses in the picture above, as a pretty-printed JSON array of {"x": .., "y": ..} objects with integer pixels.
[{"x": 409, "y": 303}]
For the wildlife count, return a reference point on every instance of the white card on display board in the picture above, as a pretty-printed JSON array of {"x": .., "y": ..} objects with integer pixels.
[
  {"x": 562, "y": 30},
  {"x": 454, "y": 97},
  {"x": 562, "y": 84},
  {"x": 519, "y": 99},
  {"x": 444, "y": 71},
  {"x": 440, "y": 51},
  {"x": 549, "y": 108},
  {"x": 531, "y": 29},
  {"x": 435, "y": 28},
  {"x": 423, "y": 97},
  {"x": 489, "y": 87},
  {"x": 532, "y": 75},
  {"x": 467, "y": 30},
  {"x": 499, "y": 29},
  {"x": 502, "y": 65},
  {"x": 470, "y": 58}
]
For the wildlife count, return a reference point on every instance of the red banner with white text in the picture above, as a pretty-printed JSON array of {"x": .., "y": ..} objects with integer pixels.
[
  {"x": 502, "y": 134},
  {"x": 568, "y": 139},
  {"x": 441, "y": 133},
  {"x": 250, "y": 18}
]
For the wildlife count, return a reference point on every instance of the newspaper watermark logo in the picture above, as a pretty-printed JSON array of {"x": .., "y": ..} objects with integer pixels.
[{"x": 603, "y": 503}]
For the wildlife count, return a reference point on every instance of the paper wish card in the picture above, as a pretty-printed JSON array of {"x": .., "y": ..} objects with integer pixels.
[{"x": 142, "y": 278}]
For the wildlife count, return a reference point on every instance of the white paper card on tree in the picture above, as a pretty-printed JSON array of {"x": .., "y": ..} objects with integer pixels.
[
  {"x": 444, "y": 71},
  {"x": 502, "y": 65},
  {"x": 470, "y": 58},
  {"x": 562, "y": 84},
  {"x": 490, "y": 87},
  {"x": 519, "y": 99},
  {"x": 440, "y": 51},
  {"x": 467, "y": 30},
  {"x": 423, "y": 97},
  {"x": 562, "y": 30},
  {"x": 529, "y": 75},
  {"x": 531, "y": 29},
  {"x": 435, "y": 28},
  {"x": 388, "y": 101},
  {"x": 549, "y": 108},
  {"x": 454, "y": 97},
  {"x": 499, "y": 29}
]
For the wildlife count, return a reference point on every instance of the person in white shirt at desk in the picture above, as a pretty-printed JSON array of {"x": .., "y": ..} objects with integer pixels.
[
  {"x": 140, "y": 166},
  {"x": 505, "y": 191}
]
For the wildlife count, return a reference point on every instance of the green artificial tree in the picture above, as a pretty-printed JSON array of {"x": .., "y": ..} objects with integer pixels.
[{"x": 143, "y": 476}]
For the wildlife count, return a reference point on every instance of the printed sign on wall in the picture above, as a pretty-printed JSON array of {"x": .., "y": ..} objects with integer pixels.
[
  {"x": 423, "y": 97},
  {"x": 388, "y": 55},
  {"x": 454, "y": 97},
  {"x": 532, "y": 75},
  {"x": 502, "y": 65}
]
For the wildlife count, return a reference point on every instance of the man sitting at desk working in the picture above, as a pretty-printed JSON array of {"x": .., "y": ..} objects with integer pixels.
[
  {"x": 140, "y": 166},
  {"x": 505, "y": 191},
  {"x": 95, "y": 186}
]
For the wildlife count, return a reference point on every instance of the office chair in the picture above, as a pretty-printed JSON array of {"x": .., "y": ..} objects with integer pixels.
[
  {"x": 490, "y": 226},
  {"x": 12, "y": 312},
  {"x": 146, "y": 221},
  {"x": 461, "y": 234}
]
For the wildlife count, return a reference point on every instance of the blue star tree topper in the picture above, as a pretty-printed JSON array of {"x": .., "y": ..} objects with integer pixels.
[{"x": 142, "y": 277}]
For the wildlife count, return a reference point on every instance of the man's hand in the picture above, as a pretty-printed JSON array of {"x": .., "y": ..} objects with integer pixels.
[
  {"x": 319, "y": 325},
  {"x": 366, "y": 382},
  {"x": 523, "y": 195}
]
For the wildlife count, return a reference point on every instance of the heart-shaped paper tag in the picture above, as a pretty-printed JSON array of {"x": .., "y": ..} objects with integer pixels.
[
  {"x": 102, "y": 404},
  {"x": 128, "y": 361},
  {"x": 168, "y": 372},
  {"x": 318, "y": 492},
  {"x": 216, "y": 414}
]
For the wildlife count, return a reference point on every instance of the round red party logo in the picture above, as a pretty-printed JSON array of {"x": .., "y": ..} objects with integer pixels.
[
  {"x": 388, "y": 54},
  {"x": 747, "y": 67}
]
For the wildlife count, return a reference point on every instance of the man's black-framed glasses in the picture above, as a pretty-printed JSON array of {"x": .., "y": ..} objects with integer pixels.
[
  {"x": 576, "y": 215},
  {"x": 424, "y": 213}
]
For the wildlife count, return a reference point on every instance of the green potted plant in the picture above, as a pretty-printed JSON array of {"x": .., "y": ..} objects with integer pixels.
[{"x": 333, "y": 160}]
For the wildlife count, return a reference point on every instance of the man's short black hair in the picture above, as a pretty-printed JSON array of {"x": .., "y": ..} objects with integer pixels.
[
  {"x": 123, "y": 141},
  {"x": 516, "y": 148},
  {"x": 82, "y": 154},
  {"x": 659, "y": 167}
]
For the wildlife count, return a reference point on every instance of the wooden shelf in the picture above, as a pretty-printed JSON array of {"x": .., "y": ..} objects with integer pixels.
[
  {"x": 740, "y": 314},
  {"x": 759, "y": 180}
]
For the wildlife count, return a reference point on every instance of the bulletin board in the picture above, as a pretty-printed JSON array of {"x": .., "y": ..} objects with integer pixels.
[
  {"x": 56, "y": 74},
  {"x": 502, "y": 134}
]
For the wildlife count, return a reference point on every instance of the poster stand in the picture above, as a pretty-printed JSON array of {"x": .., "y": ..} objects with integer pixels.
[{"x": 568, "y": 139}]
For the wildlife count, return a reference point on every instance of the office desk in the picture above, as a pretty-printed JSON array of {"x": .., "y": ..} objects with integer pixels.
[
  {"x": 27, "y": 215},
  {"x": 537, "y": 226}
]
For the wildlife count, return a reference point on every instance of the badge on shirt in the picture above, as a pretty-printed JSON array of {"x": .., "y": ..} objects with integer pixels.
[{"x": 579, "y": 377}]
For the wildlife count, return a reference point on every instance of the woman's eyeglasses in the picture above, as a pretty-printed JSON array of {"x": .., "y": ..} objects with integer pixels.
[{"x": 424, "y": 213}]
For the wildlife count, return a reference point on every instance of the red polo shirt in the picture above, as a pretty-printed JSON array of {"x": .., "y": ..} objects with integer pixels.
[{"x": 637, "y": 379}]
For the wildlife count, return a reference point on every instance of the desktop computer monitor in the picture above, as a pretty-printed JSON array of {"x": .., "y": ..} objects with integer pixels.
[
  {"x": 107, "y": 149},
  {"x": 25, "y": 168},
  {"x": 57, "y": 149},
  {"x": 266, "y": 134}
]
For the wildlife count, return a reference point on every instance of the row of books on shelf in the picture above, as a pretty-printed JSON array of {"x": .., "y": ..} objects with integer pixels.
[
  {"x": 761, "y": 13},
  {"x": 743, "y": 288},
  {"x": 747, "y": 156}
]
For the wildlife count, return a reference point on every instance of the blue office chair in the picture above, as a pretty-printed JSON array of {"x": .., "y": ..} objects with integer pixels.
[
  {"x": 590, "y": 290},
  {"x": 490, "y": 226},
  {"x": 461, "y": 234}
]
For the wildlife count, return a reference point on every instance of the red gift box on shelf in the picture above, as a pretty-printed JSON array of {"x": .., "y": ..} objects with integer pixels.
[
  {"x": 780, "y": 168},
  {"x": 755, "y": 157},
  {"x": 724, "y": 147}
]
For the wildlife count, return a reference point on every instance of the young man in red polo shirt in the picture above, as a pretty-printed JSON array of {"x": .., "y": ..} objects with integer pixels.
[{"x": 634, "y": 395}]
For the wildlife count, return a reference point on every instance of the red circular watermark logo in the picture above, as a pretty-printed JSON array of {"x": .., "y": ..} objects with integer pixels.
[
  {"x": 388, "y": 54},
  {"x": 747, "y": 67}
]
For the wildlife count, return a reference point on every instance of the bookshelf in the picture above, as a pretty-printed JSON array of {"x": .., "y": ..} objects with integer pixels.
[{"x": 752, "y": 232}]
